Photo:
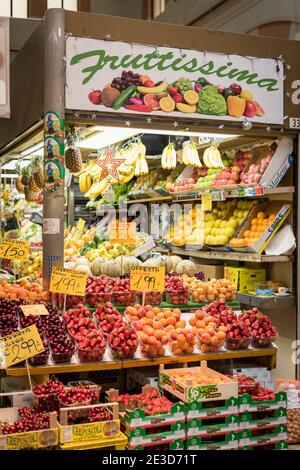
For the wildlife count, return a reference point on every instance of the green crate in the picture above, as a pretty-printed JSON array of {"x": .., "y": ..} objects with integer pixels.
[
  {"x": 179, "y": 444},
  {"x": 247, "y": 404},
  {"x": 228, "y": 441},
  {"x": 137, "y": 418},
  {"x": 209, "y": 427},
  {"x": 139, "y": 437},
  {"x": 247, "y": 421},
  {"x": 198, "y": 409},
  {"x": 270, "y": 436}
]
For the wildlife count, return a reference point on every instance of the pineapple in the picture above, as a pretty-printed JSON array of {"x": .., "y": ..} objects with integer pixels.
[
  {"x": 25, "y": 175},
  {"x": 73, "y": 159},
  {"x": 19, "y": 184},
  {"x": 30, "y": 195},
  {"x": 38, "y": 171}
]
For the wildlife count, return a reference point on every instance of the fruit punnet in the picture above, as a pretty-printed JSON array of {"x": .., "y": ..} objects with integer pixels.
[
  {"x": 210, "y": 335},
  {"x": 45, "y": 396},
  {"x": 149, "y": 401},
  {"x": 108, "y": 317},
  {"x": 215, "y": 289},
  {"x": 123, "y": 341},
  {"x": 254, "y": 388}
]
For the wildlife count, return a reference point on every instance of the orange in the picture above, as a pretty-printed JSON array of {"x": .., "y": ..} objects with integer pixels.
[
  {"x": 261, "y": 215},
  {"x": 254, "y": 221},
  {"x": 191, "y": 97},
  {"x": 247, "y": 233},
  {"x": 271, "y": 217},
  {"x": 167, "y": 104}
]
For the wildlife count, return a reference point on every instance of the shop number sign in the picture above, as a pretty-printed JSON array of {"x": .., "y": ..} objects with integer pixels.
[
  {"x": 19, "y": 346},
  {"x": 147, "y": 278},
  {"x": 38, "y": 309},
  {"x": 14, "y": 249},
  {"x": 68, "y": 281}
]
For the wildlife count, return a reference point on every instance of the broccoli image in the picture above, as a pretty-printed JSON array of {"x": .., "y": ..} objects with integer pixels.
[{"x": 211, "y": 102}]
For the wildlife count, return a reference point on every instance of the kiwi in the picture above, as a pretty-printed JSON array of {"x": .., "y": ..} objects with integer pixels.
[{"x": 109, "y": 96}]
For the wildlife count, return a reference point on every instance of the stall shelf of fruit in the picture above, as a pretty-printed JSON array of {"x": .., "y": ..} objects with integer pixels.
[
  {"x": 268, "y": 353},
  {"x": 227, "y": 255},
  {"x": 266, "y": 302},
  {"x": 238, "y": 191}
]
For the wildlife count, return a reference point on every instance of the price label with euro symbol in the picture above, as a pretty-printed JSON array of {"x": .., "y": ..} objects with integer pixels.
[
  {"x": 68, "y": 281},
  {"x": 146, "y": 278}
]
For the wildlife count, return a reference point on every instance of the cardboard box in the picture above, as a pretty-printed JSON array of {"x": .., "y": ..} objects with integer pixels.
[
  {"x": 279, "y": 165},
  {"x": 226, "y": 442},
  {"x": 278, "y": 416},
  {"x": 244, "y": 279},
  {"x": 197, "y": 409},
  {"x": 210, "y": 271},
  {"x": 247, "y": 404},
  {"x": 187, "y": 392},
  {"x": 276, "y": 434},
  {"x": 281, "y": 211},
  {"x": 140, "y": 437},
  {"x": 178, "y": 444},
  {"x": 207, "y": 427}
]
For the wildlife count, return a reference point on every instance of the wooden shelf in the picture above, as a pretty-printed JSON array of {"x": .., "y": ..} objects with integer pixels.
[
  {"x": 266, "y": 302},
  {"x": 269, "y": 353},
  {"x": 226, "y": 255}
]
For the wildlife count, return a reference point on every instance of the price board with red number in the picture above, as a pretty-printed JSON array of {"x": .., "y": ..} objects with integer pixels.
[
  {"x": 68, "y": 281},
  {"x": 147, "y": 278},
  {"x": 19, "y": 346},
  {"x": 14, "y": 249}
]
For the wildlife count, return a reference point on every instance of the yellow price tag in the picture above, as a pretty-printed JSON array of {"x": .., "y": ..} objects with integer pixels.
[
  {"x": 68, "y": 281},
  {"x": 206, "y": 200},
  {"x": 19, "y": 346},
  {"x": 147, "y": 278},
  {"x": 123, "y": 233},
  {"x": 38, "y": 309},
  {"x": 14, "y": 249}
]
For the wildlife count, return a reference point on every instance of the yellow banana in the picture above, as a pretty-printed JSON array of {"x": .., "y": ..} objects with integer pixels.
[
  {"x": 97, "y": 188},
  {"x": 85, "y": 182}
]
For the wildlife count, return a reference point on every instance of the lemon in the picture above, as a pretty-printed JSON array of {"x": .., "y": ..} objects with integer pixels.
[
  {"x": 247, "y": 94},
  {"x": 167, "y": 104}
]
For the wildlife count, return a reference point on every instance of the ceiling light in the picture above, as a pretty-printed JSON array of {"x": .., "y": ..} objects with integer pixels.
[{"x": 108, "y": 136}]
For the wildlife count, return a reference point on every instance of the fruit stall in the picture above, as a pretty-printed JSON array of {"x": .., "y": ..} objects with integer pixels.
[{"x": 161, "y": 307}]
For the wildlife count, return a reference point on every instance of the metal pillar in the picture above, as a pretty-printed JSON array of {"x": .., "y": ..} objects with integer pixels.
[{"x": 54, "y": 101}]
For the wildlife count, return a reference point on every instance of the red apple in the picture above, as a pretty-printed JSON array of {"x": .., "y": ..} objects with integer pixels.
[{"x": 95, "y": 96}]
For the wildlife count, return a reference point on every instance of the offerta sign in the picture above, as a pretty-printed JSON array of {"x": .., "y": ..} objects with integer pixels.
[{"x": 225, "y": 87}]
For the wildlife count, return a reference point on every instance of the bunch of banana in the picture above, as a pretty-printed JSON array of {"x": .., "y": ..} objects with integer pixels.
[
  {"x": 168, "y": 158},
  {"x": 97, "y": 188},
  {"x": 6, "y": 195},
  {"x": 212, "y": 157},
  {"x": 190, "y": 155},
  {"x": 85, "y": 182},
  {"x": 141, "y": 165}
]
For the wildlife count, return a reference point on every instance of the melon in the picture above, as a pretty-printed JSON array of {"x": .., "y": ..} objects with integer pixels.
[
  {"x": 69, "y": 265},
  {"x": 82, "y": 261},
  {"x": 166, "y": 261},
  {"x": 175, "y": 260},
  {"x": 84, "y": 269},
  {"x": 96, "y": 266},
  {"x": 152, "y": 262},
  {"x": 186, "y": 267},
  {"x": 111, "y": 269}
]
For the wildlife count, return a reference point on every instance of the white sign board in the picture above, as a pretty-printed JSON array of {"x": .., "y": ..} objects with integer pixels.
[
  {"x": 228, "y": 87},
  {"x": 4, "y": 68}
]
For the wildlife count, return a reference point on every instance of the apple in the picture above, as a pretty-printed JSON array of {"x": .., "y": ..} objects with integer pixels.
[
  {"x": 95, "y": 96},
  {"x": 250, "y": 109}
]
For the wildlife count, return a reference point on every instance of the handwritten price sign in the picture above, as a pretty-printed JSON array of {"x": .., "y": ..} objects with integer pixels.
[
  {"x": 14, "y": 249},
  {"x": 148, "y": 278},
  {"x": 38, "y": 309},
  {"x": 123, "y": 233},
  {"x": 68, "y": 281},
  {"x": 19, "y": 346}
]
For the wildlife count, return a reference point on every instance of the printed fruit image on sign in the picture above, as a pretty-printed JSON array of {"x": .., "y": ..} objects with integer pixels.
[{"x": 112, "y": 76}]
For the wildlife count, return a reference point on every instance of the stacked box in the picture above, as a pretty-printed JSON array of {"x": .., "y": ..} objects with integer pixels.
[
  {"x": 144, "y": 431},
  {"x": 263, "y": 423},
  {"x": 212, "y": 425},
  {"x": 225, "y": 442}
]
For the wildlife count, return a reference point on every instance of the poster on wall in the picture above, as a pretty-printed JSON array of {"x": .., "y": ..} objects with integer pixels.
[
  {"x": 119, "y": 77},
  {"x": 4, "y": 68}
]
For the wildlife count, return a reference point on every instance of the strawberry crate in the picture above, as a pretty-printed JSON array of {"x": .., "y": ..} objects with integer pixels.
[
  {"x": 212, "y": 427},
  {"x": 264, "y": 436},
  {"x": 182, "y": 383},
  {"x": 27, "y": 440},
  {"x": 280, "y": 445},
  {"x": 163, "y": 434},
  {"x": 246, "y": 403},
  {"x": 263, "y": 419},
  {"x": 179, "y": 444},
  {"x": 227, "y": 441},
  {"x": 89, "y": 422},
  {"x": 137, "y": 417},
  {"x": 198, "y": 409}
]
